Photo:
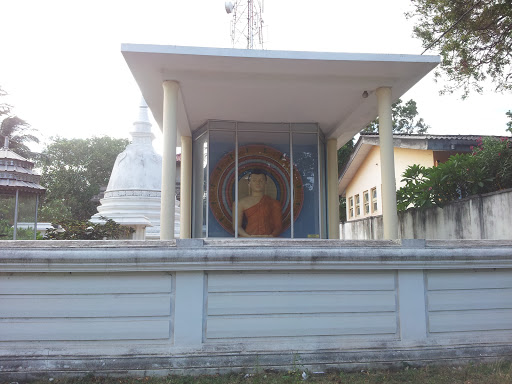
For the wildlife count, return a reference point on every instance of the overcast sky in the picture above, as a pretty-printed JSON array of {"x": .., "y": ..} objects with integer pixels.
[{"x": 60, "y": 61}]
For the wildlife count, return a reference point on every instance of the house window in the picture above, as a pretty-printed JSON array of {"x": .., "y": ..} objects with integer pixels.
[
  {"x": 366, "y": 202},
  {"x": 374, "y": 199},
  {"x": 351, "y": 207},
  {"x": 358, "y": 206}
]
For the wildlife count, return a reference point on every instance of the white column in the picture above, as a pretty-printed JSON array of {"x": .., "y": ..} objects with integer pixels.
[
  {"x": 186, "y": 187},
  {"x": 189, "y": 305},
  {"x": 140, "y": 232},
  {"x": 412, "y": 305},
  {"x": 170, "y": 128},
  {"x": 333, "y": 215},
  {"x": 389, "y": 213}
]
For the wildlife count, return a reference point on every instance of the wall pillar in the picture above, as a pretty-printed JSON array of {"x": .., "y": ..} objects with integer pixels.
[
  {"x": 412, "y": 305},
  {"x": 333, "y": 219},
  {"x": 189, "y": 305},
  {"x": 389, "y": 212},
  {"x": 186, "y": 187},
  {"x": 169, "y": 128}
]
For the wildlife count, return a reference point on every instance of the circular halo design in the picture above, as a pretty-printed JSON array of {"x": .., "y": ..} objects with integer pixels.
[{"x": 274, "y": 163}]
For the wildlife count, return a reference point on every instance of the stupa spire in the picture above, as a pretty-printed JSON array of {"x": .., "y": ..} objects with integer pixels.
[{"x": 141, "y": 133}]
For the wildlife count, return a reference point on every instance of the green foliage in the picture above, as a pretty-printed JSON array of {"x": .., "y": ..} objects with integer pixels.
[
  {"x": 509, "y": 123},
  {"x": 487, "y": 169},
  {"x": 85, "y": 230},
  {"x": 495, "y": 373},
  {"x": 405, "y": 121},
  {"x": 477, "y": 40},
  {"x": 26, "y": 213},
  {"x": 344, "y": 154},
  {"x": 17, "y": 130},
  {"x": 404, "y": 118},
  {"x": 72, "y": 171},
  {"x": 7, "y": 232}
]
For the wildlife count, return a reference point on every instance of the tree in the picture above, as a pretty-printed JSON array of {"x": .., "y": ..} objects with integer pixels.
[
  {"x": 72, "y": 171},
  {"x": 344, "y": 154},
  {"x": 509, "y": 122},
  {"x": 405, "y": 121},
  {"x": 473, "y": 37},
  {"x": 404, "y": 118},
  {"x": 16, "y": 129},
  {"x": 487, "y": 169}
]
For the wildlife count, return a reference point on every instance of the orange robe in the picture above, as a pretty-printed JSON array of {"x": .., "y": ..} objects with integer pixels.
[{"x": 264, "y": 218}]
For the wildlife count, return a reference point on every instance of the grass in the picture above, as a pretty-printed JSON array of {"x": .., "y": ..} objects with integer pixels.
[{"x": 495, "y": 373}]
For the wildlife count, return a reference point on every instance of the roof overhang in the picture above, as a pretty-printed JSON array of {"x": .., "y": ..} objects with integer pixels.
[{"x": 272, "y": 86}]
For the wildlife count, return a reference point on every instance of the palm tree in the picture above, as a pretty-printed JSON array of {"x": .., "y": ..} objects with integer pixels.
[{"x": 16, "y": 129}]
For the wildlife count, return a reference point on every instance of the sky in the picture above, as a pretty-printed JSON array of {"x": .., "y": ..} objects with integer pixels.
[{"x": 61, "y": 62}]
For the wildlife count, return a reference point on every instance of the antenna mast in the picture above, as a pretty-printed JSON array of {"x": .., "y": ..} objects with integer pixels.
[{"x": 250, "y": 11}]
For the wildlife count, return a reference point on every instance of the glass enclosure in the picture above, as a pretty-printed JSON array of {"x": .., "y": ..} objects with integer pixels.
[{"x": 258, "y": 180}]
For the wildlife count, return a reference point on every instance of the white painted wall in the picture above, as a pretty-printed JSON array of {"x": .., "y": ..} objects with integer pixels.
[
  {"x": 145, "y": 308},
  {"x": 478, "y": 217},
  {"x": 368, "y": 175}
]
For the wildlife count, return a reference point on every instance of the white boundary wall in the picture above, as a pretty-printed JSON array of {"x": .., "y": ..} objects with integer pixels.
[
  {"x": 478, "y": 217},
  {"x": 154, "y": 308}
]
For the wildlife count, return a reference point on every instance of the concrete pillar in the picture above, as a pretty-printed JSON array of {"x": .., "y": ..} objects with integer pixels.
[
  {"x": 333, "y": 217},
  {"x": 186, "y": 187},
  {"x": 170, "y": 128},
  {"x": 387, "y": 161}
]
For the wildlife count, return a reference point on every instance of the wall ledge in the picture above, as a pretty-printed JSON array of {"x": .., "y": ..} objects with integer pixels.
[{"x": 230, "y": 254}]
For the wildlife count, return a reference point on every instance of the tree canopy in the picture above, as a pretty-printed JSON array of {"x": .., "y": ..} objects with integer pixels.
[
  {"x": 487, "y": 169},
  {"x": 16, "y": 129},
  {"x": 473, "y": 37},
  {"x": 405, "y": 121},
  {"x": 72, "y": 171},
  {"x": 404, "y": 118}
]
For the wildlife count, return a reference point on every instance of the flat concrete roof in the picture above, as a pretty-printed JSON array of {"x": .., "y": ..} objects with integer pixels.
[{"x": 273, "y": 86}]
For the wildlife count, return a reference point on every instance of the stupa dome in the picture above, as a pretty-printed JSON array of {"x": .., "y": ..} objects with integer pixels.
[{"x": 133, "y": 193}]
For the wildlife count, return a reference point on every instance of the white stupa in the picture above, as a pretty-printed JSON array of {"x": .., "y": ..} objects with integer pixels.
[{"x": 132, "y": 197}]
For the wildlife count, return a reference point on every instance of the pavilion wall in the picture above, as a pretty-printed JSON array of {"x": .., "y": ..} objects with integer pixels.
[{"x": 208, "y": 306}]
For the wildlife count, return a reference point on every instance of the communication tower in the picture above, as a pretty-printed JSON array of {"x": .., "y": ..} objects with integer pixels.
[{"x": 247, "y": 22}]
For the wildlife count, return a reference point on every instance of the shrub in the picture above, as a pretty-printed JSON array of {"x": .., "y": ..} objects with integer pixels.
[
  {"x": 487, "y": 168},
  {"x": 85, "y": 230}
]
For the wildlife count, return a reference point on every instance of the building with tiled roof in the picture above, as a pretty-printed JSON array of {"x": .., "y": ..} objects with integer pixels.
[{"x": 360, "y": 179}]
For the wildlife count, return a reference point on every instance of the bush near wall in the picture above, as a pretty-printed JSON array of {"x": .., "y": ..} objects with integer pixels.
[
  {"x": 488, "y": 168},
  {"x": 85, "y": 230}
]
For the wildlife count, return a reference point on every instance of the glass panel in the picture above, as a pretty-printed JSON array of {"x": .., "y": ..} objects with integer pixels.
[
  {"x": 305, "y": 127},
  {"x": 366, "y": 200},
  {"x": 305, "y": 158},
  {"x": 265, "y": 196},
  {"x": 199, "y": 131},
  {"x": 199, "y": 162},
  {"x": 374, "y": 199},
  {"x": 323, "y": 190},
  {"x": 221, "y": 183},
  {"x": 221, "y": 124},
  {"x": 267, "y": 127}
]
